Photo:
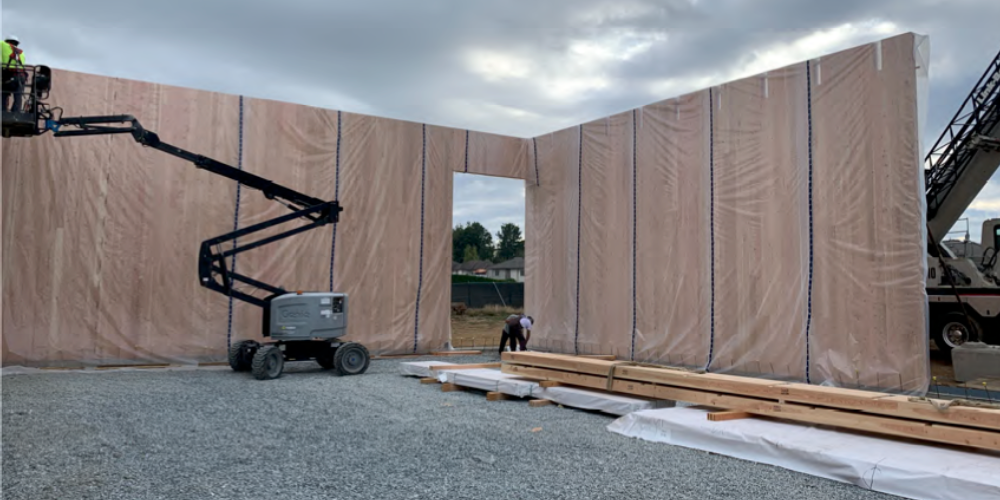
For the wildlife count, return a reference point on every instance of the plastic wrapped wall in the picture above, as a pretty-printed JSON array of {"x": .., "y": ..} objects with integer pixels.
[
  {"x": 772, "y": 225},
  {"x": 100, "y": 235}
]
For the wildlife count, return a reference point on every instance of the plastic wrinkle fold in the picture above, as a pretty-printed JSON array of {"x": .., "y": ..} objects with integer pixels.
[{"x": 897, "y": 467}]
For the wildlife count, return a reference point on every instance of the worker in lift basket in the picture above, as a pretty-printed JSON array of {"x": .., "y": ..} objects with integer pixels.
[
  {"x": 517, "y": 326},
  {"x": 14, "y": 74}
]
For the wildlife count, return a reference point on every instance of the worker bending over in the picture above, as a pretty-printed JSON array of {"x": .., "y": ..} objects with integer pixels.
[{"x": 517, "y": 326}]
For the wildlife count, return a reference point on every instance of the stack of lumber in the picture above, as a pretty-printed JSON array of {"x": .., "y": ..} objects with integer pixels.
[{"x": 955, "y": 423}]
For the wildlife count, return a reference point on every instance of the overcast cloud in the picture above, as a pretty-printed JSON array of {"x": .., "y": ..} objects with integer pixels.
[{"x": 516, "y": 68}]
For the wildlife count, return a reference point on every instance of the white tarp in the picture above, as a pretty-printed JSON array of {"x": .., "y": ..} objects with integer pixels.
[
  {"x": 419, "y": 368},
  {"x": 907, "y": 469},
  {"x": 492, "y": 380}
]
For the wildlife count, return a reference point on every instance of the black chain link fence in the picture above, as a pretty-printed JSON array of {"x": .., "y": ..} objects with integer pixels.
[{"x": 478, "y": 295}]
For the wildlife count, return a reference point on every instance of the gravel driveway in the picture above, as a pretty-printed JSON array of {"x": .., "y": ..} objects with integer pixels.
[{"x": 213, "y": 433}]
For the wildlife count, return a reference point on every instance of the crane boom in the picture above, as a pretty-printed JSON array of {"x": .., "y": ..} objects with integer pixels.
[{"x": 965, "y": 156}]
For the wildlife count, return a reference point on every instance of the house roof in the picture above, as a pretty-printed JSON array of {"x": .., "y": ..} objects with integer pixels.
[
  {"x": 515, "y": 263},
  {"x": 473, "y": 265}
]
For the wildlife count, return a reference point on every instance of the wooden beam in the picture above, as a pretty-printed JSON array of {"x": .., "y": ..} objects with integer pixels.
[
  {"x": 722, "y": 416},
  {"x": 537, "y": 403},
  {"x": 848, "y": 399},
  {"x": 606, "y": 357},
  {"x": 429, "y": 380},
  {"x": 449, "y": 387},
  {"x": 549, "y": 383},
  {"x": 947, "y": 434},
  {"x": 496, "y": 396}
]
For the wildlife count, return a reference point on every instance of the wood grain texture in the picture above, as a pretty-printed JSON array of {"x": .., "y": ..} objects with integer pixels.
[
  {"x": 939, "y": 433},
  {"x": 833, "y": 397}
]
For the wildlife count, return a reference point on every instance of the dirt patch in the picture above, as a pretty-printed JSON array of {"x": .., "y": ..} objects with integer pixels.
[{"x": 479, "y": 328}]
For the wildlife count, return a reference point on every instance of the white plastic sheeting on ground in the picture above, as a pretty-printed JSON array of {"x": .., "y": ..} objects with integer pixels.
[
  {"x": 615, "y": 404},
  {"x": 419, "y": 368},
  {"x": 897, "y": 467},
  {"x": 493, "y": 380}
]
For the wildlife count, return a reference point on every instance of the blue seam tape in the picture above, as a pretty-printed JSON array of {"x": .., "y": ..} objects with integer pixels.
[
  {"x": 420, "y": 280},
  {"x": 579, "y": 224},
  {"x": 711, "y": 170},
  {"x": 635, "y": 134},
  {"x": 809, "y": 292},
  {"x": 534, "y": 144},
  {"x": 336, "y": 196},
  {"x": 236, "y": 224}
]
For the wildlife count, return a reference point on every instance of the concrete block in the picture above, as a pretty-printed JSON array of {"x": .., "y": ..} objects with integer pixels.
[{"x": 976, "y": 360}]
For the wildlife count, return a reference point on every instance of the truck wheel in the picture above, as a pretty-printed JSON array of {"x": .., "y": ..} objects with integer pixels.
[
  {"x": 351, "y": 359},
  {"x": 325, "y": 356},
  {"x": 952, "y": 331},
  {"x": 268, "y": 363},
  {"x": 241, "y": 355}
]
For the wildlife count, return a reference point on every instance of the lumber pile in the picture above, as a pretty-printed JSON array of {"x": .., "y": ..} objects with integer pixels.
[{"x": 940, "y": 421}]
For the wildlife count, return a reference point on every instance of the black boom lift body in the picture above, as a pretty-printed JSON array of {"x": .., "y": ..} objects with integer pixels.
[{"x": 300, "y": 325}]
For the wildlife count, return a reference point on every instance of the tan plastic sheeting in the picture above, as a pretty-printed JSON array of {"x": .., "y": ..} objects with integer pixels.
[
  {"x": 551, "y": 215},
  {"x": 869, "y": 318},
  {"x": 701, "y": 231},
  {"x": 751, "y": 251},
  {"x": 673, "y": 304},
  {"x": 100, "y": 235}
]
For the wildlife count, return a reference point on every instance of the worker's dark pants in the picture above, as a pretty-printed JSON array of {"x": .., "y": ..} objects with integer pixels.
[
  {"x": 13, "y": 87},
  {"x": 519, "y": 335}
]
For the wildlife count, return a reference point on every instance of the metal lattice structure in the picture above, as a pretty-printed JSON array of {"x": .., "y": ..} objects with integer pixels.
[{"x": 973, "y": 132}]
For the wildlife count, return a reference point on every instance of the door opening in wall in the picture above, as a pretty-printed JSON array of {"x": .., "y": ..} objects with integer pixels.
[{"x": 487, "y": 277}]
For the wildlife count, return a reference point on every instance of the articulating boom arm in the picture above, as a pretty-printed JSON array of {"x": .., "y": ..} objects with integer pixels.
[{"x": 212, "y": 269}]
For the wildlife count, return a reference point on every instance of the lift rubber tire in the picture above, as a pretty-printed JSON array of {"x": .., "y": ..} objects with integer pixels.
[
  {"x": 957, "y": 325},
  {"x": 268, "y": 363},
  {"x": 325, "y": 357},
  {"x": 241, "y": 355},
  {"x": 351, "y": 358}
]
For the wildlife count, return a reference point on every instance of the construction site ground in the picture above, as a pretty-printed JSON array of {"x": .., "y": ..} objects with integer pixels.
[
  {"x": 213, "y": 433},
  {"x": 480, "y": 328}
]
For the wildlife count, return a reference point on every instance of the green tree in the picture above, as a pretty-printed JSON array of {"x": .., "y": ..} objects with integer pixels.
[
  {"x": 470, "y": 254},
  {"x": 475, "y": 235},
  {"x": 509, "y": 242}
]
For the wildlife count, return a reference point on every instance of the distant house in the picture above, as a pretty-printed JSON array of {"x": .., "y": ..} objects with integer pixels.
[
  {"x": 472, "y": 268},
  {"x": 512, "y": 269}
]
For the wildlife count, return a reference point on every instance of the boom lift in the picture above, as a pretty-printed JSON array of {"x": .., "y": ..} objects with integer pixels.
[
  {"x": 300, "y": 326},
  {"x": 964, "y": 295}
]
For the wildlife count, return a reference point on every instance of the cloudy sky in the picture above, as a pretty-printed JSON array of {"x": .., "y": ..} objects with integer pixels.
[{"x": 517, "y": 68}]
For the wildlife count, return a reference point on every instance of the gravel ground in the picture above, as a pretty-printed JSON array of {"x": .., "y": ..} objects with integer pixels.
[{"x": 312, "y": 435}]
